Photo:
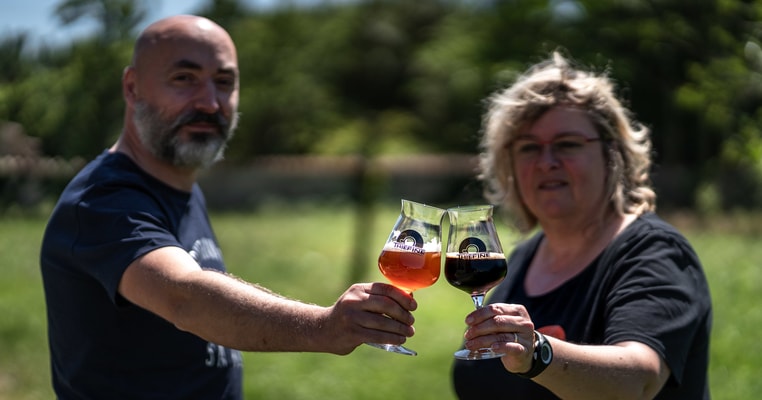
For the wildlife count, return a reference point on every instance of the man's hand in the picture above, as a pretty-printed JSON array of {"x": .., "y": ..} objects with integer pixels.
[{"x": 369, "y": 312}]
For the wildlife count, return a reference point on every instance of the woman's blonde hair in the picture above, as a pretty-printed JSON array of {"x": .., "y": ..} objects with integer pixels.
[{"x": 549, "y": 84}]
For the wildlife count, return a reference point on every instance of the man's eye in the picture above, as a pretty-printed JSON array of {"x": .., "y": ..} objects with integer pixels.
[
  {"x": 226, "y": 82},
  {"x": 182, "y": 78}
]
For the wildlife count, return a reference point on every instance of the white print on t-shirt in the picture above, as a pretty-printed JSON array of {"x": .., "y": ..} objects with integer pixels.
[
  {"x": 220, "y": 356},
  {"x": 205, "y": 249}
]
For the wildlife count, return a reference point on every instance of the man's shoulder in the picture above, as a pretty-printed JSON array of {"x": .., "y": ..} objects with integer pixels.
[{"x": 115, "y": 179}]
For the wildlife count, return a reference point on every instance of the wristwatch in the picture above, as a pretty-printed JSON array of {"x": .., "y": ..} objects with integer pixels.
[{"x": 541, "y": 356}]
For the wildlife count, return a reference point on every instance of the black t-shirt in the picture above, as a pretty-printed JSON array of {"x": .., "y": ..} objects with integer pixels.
[
  {"x": 101, "y": 345},
  {"x": 647, "y": 286}
]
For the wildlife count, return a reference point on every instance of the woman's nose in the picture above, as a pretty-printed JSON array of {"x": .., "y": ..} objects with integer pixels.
[{"x": 547, "y": 155}]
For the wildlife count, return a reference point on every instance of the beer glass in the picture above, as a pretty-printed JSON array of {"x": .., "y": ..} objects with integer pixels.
[
  {"x": 412, "y": 255},
  {"x": 475, "y": 262}
]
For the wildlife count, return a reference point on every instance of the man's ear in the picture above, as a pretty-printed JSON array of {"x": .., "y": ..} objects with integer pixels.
[{"x": 129, "y": 89}]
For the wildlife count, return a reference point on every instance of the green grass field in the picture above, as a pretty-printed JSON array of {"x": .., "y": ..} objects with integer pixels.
[{"x": 304, "y": 251}]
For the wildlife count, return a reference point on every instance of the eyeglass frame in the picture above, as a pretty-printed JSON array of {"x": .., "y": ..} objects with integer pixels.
[{"x": 544, "y": 143}]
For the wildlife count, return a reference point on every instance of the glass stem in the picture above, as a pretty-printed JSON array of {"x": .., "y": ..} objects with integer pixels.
[{"x": 478, "y": 300}]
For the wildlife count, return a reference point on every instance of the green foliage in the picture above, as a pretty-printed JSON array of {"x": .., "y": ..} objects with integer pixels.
[
  {"x": 325, "y": 79},
  {"x": 286, "y": 103},
  {"x": 13, "y": 61},
  {"x": 73, "y": 107},
  {"x": 312, "y": 75}
]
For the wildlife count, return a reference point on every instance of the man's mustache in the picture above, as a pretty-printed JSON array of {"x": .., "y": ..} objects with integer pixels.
[{"x": 216, "y": 119}]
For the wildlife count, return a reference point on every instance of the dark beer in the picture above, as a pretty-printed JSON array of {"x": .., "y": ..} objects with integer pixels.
[{"x": 475, "y": 273}]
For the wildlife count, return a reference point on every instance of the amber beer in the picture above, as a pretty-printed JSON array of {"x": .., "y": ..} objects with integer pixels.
[
  {"x": 475, "y": 272},
  {"x": 410, "y": 268}
]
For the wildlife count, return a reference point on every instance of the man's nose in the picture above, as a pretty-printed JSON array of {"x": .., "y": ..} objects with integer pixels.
[{"x": 207, "y": 98}]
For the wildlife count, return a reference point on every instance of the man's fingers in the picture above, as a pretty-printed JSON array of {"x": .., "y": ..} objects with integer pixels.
[{"x": 402, "y": 297}]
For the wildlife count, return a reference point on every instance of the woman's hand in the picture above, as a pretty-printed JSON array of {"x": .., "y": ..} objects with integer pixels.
[{"x": 506, "y": 328}]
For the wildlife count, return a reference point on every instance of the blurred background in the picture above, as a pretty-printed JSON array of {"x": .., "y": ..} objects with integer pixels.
[
  {"x": 348, "y": 106},
  {"x": 367, "y": 96}
]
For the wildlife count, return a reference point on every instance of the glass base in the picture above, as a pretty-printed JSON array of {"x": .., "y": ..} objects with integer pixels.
[
  {"x": 394, "y": 348},
  {"x": 480, "y": 354}
]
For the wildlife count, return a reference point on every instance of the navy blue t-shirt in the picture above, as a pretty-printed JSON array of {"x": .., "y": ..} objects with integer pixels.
[
  {"x": 101, "y": 345},
  {"x": 647, "y": 286}
]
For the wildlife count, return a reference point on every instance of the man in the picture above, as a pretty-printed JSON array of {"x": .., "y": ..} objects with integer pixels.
[{"x": 138, "y": 302}]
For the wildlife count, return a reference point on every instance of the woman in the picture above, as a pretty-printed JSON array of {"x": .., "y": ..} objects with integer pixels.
[{"x": 605, "y": 300}]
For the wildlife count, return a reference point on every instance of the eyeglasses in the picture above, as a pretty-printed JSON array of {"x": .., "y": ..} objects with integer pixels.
[{"x": 565, "y": 146}]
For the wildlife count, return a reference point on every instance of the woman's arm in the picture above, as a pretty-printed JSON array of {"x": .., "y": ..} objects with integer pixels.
[{"x": 627, "y": 370}]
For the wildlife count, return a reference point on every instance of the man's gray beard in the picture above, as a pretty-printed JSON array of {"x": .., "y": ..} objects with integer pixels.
[{"x": 160, "y": 138}]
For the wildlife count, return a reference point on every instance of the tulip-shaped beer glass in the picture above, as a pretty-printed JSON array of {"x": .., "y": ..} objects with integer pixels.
[
  {"x": 412, "y": 256},
  {"x": 475, "y": 262}
]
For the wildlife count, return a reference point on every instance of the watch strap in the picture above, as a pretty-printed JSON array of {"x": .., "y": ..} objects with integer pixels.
[{"x": 542, "y": 356}]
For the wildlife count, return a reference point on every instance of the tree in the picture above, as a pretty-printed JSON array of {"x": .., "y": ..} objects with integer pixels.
[
  {"x": 14, "y": 63},
  {"x": 224, "y": 12},
  {"x": 680, "y": 66},
  {"x": 117, "y": 18},
  {"x": 393, "y": 76}
]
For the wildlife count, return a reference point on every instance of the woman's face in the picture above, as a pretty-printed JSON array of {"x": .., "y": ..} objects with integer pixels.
[{"x": 560, "y": 168}]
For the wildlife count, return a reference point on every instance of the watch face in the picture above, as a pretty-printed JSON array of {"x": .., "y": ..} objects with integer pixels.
[{"x": 546, "y": 353}]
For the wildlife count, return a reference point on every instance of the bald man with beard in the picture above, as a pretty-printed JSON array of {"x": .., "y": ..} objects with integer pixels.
[{"x": 139, "y": 304}]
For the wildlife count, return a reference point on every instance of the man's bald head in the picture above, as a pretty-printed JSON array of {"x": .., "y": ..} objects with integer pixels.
[{"x": 178, "y": 29}]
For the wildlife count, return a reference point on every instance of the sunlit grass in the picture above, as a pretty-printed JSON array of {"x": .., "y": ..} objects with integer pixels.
[
  {"x": 23, "y": 340},
  {"x": 304, "y": 252}
]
